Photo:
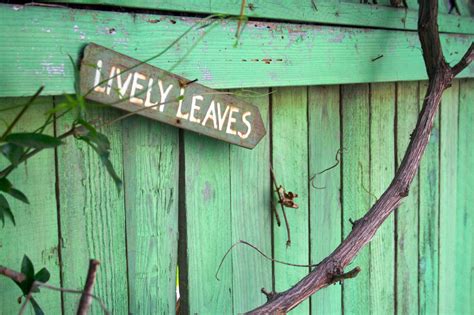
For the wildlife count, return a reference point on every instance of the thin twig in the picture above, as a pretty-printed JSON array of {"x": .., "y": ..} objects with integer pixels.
[
  {"x": 274, "y": 210},
  {"x": 27, "y": 300},
  {"x": 95, "y": 297},
  {"x": 5, "y": 172},
  {"x": 361, "y": 169},
  {"x": 338, "y": 153},
  {"x": 287, "y": 224},
  {"x": 241, "y": 16},
  {"x": 86, "y": 300},
  {"x": 20, "y": 114},
  {"x": 261, "y": 253}
]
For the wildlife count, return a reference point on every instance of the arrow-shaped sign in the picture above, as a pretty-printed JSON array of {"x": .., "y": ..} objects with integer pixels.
[{"x": 117, "y": 80}]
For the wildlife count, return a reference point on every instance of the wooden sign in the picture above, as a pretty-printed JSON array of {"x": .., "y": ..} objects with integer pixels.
[{"x": 126, "y": 83}]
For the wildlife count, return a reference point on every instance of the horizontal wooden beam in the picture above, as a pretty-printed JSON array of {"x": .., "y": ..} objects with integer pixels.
[
  {"x": 36, "y": 42},
  {"x": 327, "y": 12}
]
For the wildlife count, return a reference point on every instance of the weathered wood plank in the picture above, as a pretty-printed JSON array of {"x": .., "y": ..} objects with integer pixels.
[
  {"x": 36, "y": 230},
  {"x": 290, "y": 164},
  {"x": 251, "y": 215},
  {"x": 274, "y": 54},
  {"x": 465, "y": 201},
  {"x": 382, "y": 170},
  {"x": 331, "y": 12},
  {"x": 355, "y": 185},
  {"x": 407, "y": 214},
  {"x": 209, "y": 226},
  {"x": 324, "y": 138},
  {"x": 92, "y": 217},
  {"x": 429, "y": 177},
  {"x": 448, "y": 207},
  {"x": 150, "y": 162}
]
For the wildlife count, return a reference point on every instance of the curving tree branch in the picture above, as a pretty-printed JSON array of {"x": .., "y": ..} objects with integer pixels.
[{"x": 331, "y": 269}]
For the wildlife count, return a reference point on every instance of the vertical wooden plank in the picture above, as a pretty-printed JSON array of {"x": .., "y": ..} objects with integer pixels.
[
  {"x": 290, "y": 163},
  {"x": 465, "y": 201},
  {"x": 382, "y": 170},
  {"x": 407, "y": 213},
  {"x": 325, "y": 204},
  {"x": 324, "y": 191},
  {"x": 429, "y": 218},
  {"x": 92, "y": 217},
  {"x": 150, "y": 154},
  {"x": 36, "y": 230},
  {"x": 355, "y": 198},
  {"x": 251, "y": 215},
  {"x": 448, "y": 206},
  {"x": 209, "y": 226}
]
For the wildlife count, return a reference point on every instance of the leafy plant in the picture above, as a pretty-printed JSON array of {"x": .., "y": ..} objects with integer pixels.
[{"x": 27, "y": 286}]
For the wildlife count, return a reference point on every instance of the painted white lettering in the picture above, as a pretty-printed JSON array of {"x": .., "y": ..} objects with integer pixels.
[
  {"x": 247, "y": 123},
  {"x": 231, "y": 120},
  {"x": 148, "y": 102},
  {"x": 221, "y": 118},
  {"x": 136, "y": 86},
  {"x": 123, "y": 87},
  {"x": 164, "y": 94},
  {"x": 180, "y": 114},
  {"x": 98, "y": 69},
  {"x": 110, "y": 82},
  {"x": 195, "y": 108},
  {"x": 211, "y": 114}
]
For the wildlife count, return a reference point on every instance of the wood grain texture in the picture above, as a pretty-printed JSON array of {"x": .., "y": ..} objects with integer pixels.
[
  {"x": 331, "y": 12},
  {"x": 251, "y": 215},
  {"x": 355, "y": 197},
  {"x": 150, "y": 162},
  {"x": 382, "y": 170},
  {"x": 448, "y": 206},
  {"x": 465, "y": 201},
  {"x": 290, "y": 164},
  {"x": 324, "y": 138},
  {"x": 92, "y": 217},
  {"x": 429, "y": 179},
  {"x": 209, "y": 226},
  {"x": 407, "y": 214},
  {"x": 36, "y": 230},
  {"x": 267, "y": 54}
]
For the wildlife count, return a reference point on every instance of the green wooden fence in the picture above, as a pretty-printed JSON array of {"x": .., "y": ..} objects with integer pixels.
[{"x": 187, "y": 198}]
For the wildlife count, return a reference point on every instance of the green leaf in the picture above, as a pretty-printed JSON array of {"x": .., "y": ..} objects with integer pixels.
[
  {"x": 12, "y": 152},
  {"x": 27, "y": 268},
  {"x": 36, "y": 307},
  {"x": 15, "y": 193},
  {"x": 5, "y": 185},
  {"x": 42, "y": 275},
  {"x": 101, "y": 145},
  {"x": 33, "y": 140},
  {"x": 5, "y": 210}
]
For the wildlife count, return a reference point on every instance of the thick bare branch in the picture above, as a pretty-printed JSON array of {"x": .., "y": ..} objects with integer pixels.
[
  {"x": 86, "y": 297},
  {"x": 465, "y": 61},
  {"x": 440, "y": 77},
  {"x": 12, "y": 274}
]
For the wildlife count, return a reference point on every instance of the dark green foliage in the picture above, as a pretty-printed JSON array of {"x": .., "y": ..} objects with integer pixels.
[
  {"x": 33, "y": 140},
  {"x": 12, "y": 152},
  {"x": 101, "y": 145},
  {"x": 27, "y": 285}
]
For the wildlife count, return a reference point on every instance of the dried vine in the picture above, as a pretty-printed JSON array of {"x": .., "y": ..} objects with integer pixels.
[{"x": 331, "y": 269}]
